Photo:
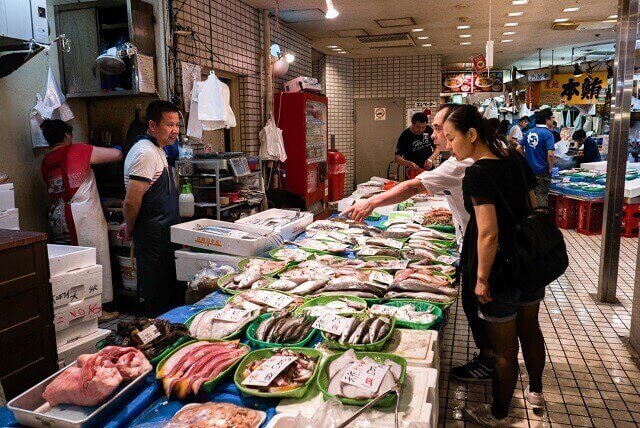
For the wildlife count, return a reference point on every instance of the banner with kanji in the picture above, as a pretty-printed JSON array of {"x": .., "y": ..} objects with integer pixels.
[{"x": 567, "y": 88}]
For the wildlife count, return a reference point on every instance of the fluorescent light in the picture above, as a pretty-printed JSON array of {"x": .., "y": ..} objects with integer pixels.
[
  {"x": 506, "y": 40},
  {"x": 571, "y": 9},
  {"x": 465, "y": 43},
  {"x": 610, "y": 21},
  {"x": 417, "y": 30},
  {"x": 332, "y": 12},
  {"x": 342, "y": 52},
  {"x": 561, "y": 20},
  {"x": 510, "y": 24},
  {"x": 508, "y": 33},
  {"x": 289, "y": 57},
  {"x": 612, "y": 17},
  {"x": 463, "y": 27},
  {"x": 515, "y": 13},
  {"x": 332, "y": 47},
  {"x": 465, "y": 36},
  {"x": 423, "y": 37},
  {"x": 519, "y": 2},
  {"x": 426, "y": 45}
]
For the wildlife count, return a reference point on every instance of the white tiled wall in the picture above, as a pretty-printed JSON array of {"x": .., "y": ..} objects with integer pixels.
[{"x": 232, "y": 30}]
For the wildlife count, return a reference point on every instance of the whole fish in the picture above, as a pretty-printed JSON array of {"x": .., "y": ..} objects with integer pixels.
[
  {"x": 420, "y": 295},
  {"x": 309, "y": 287},
  {"x": 416, "y": 285},
  {"x": 438, "y": 280},
  {"x": 282, "y": 285},
  {"x": 361, "y": 331}
]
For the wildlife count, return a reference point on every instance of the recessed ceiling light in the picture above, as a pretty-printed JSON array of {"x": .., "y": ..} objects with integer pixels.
[
  {"x": 508, "y": 33},
  {"x": 506, "y": 40},
  {"x": 510, "y": 24},
  {"x": 463, "y": 27},
  {"x": 571, "y": 9},
  {"x": 465, "y": 36},
  {"x": 561, "y": 20},
  {"x": 426, "y": 45},
  {"x": 612, "y": 17},
  {"x": 417, "y": 30},
  {"x": 423, "y": 37},
  {"x": 519, "y": 2},
  {"x": 465, "y": 43},
  {"x": 332, "y": 47},
  {"x": 515, "y": 13}
]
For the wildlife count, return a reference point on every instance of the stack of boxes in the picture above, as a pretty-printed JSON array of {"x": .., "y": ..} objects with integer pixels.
[
  {"x": 76, "y": 286},
  {"x": 8, "y": 210}
]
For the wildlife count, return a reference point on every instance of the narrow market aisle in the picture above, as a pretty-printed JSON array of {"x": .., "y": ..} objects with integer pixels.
[{"x": 590, "y": 378}]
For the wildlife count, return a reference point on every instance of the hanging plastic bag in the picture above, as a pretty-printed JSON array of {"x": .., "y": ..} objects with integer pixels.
[
  {"x": 38, "y": 113},
  {"x": 194, "y": 126},
  {"x": 55, "y": 100},
  {"x": 271, "y": 142},
  {"x": 491, "y": 112}
]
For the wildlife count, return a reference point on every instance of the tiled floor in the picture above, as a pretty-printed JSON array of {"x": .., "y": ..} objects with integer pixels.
[{"x": 591, "y": 378}]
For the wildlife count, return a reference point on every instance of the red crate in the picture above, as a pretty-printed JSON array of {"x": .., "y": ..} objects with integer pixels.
[
  {"x": 566, "y": 212},
  {"x": 631, "y": 212},
  {"x": 590, "y": 217},
  {"x": 630, "y": 228}
]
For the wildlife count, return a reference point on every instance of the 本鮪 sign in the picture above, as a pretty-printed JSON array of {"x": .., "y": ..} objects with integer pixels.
[{"x": 567, "y": 88}]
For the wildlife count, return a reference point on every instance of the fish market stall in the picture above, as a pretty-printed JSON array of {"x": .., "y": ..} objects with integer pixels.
[{"x": 343, "y": 316}]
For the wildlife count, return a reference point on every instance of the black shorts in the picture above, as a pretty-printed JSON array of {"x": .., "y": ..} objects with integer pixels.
[{"x": 506, "y": 302}]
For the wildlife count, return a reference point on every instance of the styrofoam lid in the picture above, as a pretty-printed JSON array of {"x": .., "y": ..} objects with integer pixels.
[{"x": 6, "y": 186}]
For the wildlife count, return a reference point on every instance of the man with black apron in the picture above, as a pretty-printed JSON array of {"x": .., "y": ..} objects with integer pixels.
[{"x": 151, "y": 208}]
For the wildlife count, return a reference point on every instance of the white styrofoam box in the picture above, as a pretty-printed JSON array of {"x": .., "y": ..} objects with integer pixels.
[
  {"x": 64, "y": 258},
  {"x": 418, "y": 403},
  {"x": 418, "y": 347},
  {"x": 602, "y": 165},
  {"x": 7, "y": 199},
  {"x": 189, "y": 262},
  {"x": 186, "y": 234},
  {"x": 9, "y": 219},
  {"x": 69, "y": 352},
  {"x": 75, "y": 285},
  {"x": 76, "y": 331},
  {"x": 632, "y": 188},
  {"x": 288, "y": 231},
  {"x": 77, "y": 312}
]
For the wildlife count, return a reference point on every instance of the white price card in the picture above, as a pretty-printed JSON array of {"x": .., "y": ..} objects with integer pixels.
[
  {"x": 236, "y": 234},
  {"x": 339, "y": 225},
  {"x": 365, "y": 374},
  {"x": 368, "y": 251},
  {"x": 149, "y": 334},
  {"x": 268, "y": 371},
  {"x": 275, "y": 300},
  {"x": 320, "y": 269},
  {"x": 230, "y": 314},
  {"x": 362, "y": 240},
  {"x": 319, "y": 311},
  {"x": 340, "y": 237},
  {"x": 384, "y": 310},
  {"x": 393, "y": 243},
  {"x": 446, "y": 259},
  {"x": 393, "y": 264},
  {"x": 332, "y": 323},
  {"x": 293, "y": 254},
  {"x": 383, "y": 277},
  {"x": 566, "y": 179},
  {"x": 251, "y": 306}
]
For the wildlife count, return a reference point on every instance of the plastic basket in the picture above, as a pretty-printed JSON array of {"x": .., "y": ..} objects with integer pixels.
[
  {"x": 631, "y": 211},
  {"x": 369, "y": 347},
  {"x": 323, "y": 377},
  {"x": 567, "y": 213},
  {"x": 630, "y": 228},
  {"x": 231, "y": 336},
  {"x": 323, "y": 300},
  {"x": 259, "y": 344},
  {"x": 419, "y": 305},
  {"x": 590, "y": 217},
  {"x": 211, "y": 384},
  {"x": 266, "y": 353}
]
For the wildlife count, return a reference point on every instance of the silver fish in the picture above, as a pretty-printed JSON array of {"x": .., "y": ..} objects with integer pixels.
[
  {"x": 360, "y": 331},
  {"x": 309, "y": 287},
  {"x": 416, "y": 285},
  {"x": 420, "y": 295},
  {"x": 282, "y": 285}
]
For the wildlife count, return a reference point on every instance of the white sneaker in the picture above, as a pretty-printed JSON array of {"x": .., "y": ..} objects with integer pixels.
[
  {"x": 535, "y": 399},
  {"x": 482, "y": 416}
]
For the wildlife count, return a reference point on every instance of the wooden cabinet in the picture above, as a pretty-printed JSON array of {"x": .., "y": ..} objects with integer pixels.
[{"x": 27, "y": 335}]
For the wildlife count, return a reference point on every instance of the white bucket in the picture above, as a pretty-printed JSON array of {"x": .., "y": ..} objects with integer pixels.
[{"x": 128, "y": 273}]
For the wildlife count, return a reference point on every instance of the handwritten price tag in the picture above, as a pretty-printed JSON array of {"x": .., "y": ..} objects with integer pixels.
[
  {"x": 340, "y": 237},
  {"x": 364, "y": 374},
  {"x": 275, "y": 300},
  {"x": 230, "y": 314},
  {"x": 393, "y": 243},
  {"x": 446, "y": 259},
  {"x": 368, "y": 251},
  {"x": 320, "y": 269},
  {"x": 319, "y": 311},
  {"x": 383, "y": 277},
  {"x": 149, "y": 334},
  {"x": 384, "y": 310},
  {"x": 332, "y": 323},
  {"x": 236, "y": 234},
  {"x": 268, "y": 371},
  {"x": 251, "y": 306},
  {"x": 394, "y": 264}
]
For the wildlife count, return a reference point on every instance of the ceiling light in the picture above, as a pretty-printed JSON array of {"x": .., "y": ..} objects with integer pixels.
[
  {"x": 342, "y": 52},
  {"x": 506, "y": 40},
  {"x": 519, "y": 2},
  {"x": 465, "y": 36},
  {"x": 510, "y": 24},
  {"x": 465, "y": 43},
  {"x": 463, "y": 27},
  {"x": 289, "y": 57},
  {"x": 508, "y": 33},
  {"x": 571, "y": 9},
  {"x": 561, "y": 20},
  {"x": 417, "y": 30},
  {"x": 610, "y": 21},
  {"x": 426, "y": 45},
  {"x": 515, "y": 13},
  {"x": 612, "y": 17},
  {"x": 577, "y": 71},
  {"x": 423, "y": 37},
  {"x": 332, "y": 47},
  {"x": 332, "y": 12}
]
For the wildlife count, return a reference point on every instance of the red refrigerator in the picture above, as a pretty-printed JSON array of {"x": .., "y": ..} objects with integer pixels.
[{"x": 302, "y": 116}]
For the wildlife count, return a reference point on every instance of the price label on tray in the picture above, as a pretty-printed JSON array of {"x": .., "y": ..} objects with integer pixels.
[
  {"x": 230, "y": 314},
  {"x": 384, "y": 310},
  {"x": 149, "y": 334},
  {"x": 268, "y": 370},
  {"x": 237, "y": 234},
  {"x": 368, "y": 251},
  {"x": 275, "y": 300},
  {"x": 394, "y": 264},
  {"x": 320, "y": 269},
  {"x": 365, "y": 374},
  {"x": 319, "y": 311},
  {"x": 393, "y": 243},
  {"x": 446, "y": 259},
  {"x": 249, "y": 306},
  {"x": 383, "y": 277},
  {"x": 332, "y": 323},
  {"x": 340, "y": 237}
]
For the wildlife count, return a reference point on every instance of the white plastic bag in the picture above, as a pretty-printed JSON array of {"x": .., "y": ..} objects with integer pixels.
[
  {"x": 271, "y": 142},
  {"x": 38, "y": 113},
  {"x": 55, "y": 100},
  {"x": 194, "y": 126},
  {"x": 491, "y": 111}
]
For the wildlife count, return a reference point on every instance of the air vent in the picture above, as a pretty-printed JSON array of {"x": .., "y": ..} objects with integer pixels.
[
  {"x": 395, "y": 22},
  {"x": 387, "y": 41},
  {"x": 581, "y": 26}
]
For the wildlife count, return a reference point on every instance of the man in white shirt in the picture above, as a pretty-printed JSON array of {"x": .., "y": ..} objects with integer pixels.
[{"x": 515, "y": 134}]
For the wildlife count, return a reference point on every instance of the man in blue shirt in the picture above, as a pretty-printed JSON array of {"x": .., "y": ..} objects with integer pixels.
[
  {"x": 590, "y": 152},
  {"x": 537, "y": 145}
]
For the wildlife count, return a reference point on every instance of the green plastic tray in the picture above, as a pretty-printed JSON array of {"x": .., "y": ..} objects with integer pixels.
[
  {"x": 235, "y": 296},
  {"x": 266, "y": 353},
  {"x": 369, "y": 347},
  {"x": 273, "y": 252},
  {"x": 441, "y": 228},
  {"x": 155, "y": 360},
  {"x": 226, "y": 290},
  {"x": 259, "y": 344},
  {"x": 378, "y": 258},
  {"x": 242, "y": 263},
  {"x": 323, "y": 300},
  {"x": 442, "y": 306},
  {"x": 420, "y": 306},
  {"x": 323, "y": 377},
  {"x": 232, "y": 336},
  {"x": 209, "y": 385}
]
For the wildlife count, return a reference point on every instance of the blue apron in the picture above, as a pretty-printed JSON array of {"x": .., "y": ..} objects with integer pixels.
[{"x": 155, "y": 258}]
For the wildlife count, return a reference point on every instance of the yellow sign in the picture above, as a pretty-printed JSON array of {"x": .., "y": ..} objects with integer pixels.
[{"x": 567, "y": 88}]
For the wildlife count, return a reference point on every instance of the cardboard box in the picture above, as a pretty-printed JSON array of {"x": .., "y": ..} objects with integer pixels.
[
  {"x": 76, "y": 285},
  {"x": 65, "y": 258},
  {"x": 70, "y": 351},
  {"x": 288, "y": 231},
  {"x": 69, "y": 315},
  {"x": 235, "y": 244},
  {"x": 189, "y": 262},
  {"x": 7, "y": 199},
  {"x": 9, "y": 219}
]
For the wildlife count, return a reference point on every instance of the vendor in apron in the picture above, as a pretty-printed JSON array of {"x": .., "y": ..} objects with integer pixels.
[
  {"x": 75, "y": 215},
  {"x": 151, "y": 208}
]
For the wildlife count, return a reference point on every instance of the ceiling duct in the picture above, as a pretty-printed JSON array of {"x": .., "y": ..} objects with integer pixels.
[
  {"x": 395, "y": 22},
  {"x": 582, "y": 26},
  {"x": 387, "y": 41}
]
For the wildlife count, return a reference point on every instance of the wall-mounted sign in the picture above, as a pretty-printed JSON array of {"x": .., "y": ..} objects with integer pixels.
[
  {"x": 380, "y": 113},
  {"x": 425, "y": 104},
  {"x": 491, "y": 82},
  {"x": 457, "y": 81},
  {"x": 567, "y": 88},
  {"x": 539, "y": 75},
  {"x": 479, "y": 63}
]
